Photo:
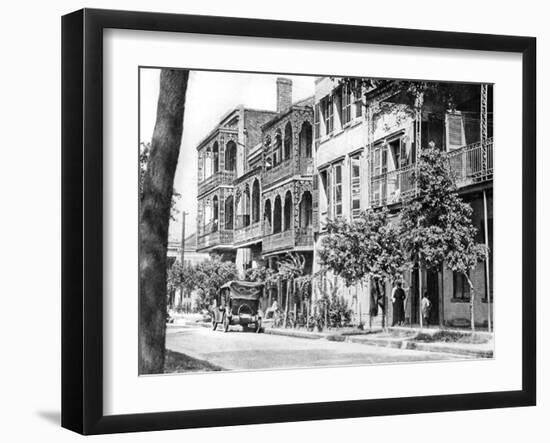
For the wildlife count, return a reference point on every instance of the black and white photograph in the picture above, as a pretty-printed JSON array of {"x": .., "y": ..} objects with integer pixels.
[
  {"x": 313, "y": 221},
  {"x": 275, "y": 221}
]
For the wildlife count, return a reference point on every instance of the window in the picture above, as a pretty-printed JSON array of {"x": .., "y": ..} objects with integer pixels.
[
  {"x": 337, "y": 177},
  {"x": 358, "y": 100},
  {"x": 230, "y": 156},
  {"x": 326, "y": 183},
  {"x": 316, "y": 121},
  {"x": 461, "y": 288},
  {"x": 288, "y": 141},
  {"x": 455, "y": 131},
  {"x": 355, "y": 186},
  {"x": 328, "y": 114},
  {"x": 346, "y": 104}
]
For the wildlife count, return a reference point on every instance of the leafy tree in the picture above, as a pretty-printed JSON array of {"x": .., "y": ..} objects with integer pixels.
[
  {"x": 209, "y": 276},
  {"x": 144, "y": 151},
  {"x": 366, "y": 247},
  {"x": 154, "y": 218},
  {"x": 436, "y": 225},
  {"x": 184, "y": 278},
  {"x": 261, "y": 274}
]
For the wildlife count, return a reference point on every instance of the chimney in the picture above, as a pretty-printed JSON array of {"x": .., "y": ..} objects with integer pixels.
[{"x": 284, "y": 94}]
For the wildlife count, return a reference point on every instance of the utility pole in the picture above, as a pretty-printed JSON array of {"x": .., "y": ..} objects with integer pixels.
[
  {"x": 182, "y": 256},
  {"x": 183, "y": 214}
]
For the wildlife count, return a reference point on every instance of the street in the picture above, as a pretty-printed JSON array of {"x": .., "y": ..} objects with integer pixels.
[{"x": 236, "y": 350}]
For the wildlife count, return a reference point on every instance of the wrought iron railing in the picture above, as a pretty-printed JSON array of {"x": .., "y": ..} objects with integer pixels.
[
  {"x": 304, "y": 236},
  {"x": 472, "y": 163},
  {"x": 248, "y": 233},
  {"x": 301, "y": 237},
  {"x": 305, "y": 166},
  {"x": 217, "y": 179},
  {"x": 279, "y": 240},
  {"x": 288, "y": 168},
  {"x": 221, "y": 237},
  {"x": 469, "y": 164}
]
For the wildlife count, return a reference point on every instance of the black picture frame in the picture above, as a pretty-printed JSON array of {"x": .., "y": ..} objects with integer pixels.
[{"x": 82, "y": 218}]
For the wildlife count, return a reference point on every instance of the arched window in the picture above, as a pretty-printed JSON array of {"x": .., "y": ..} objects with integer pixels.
[
  {"x": 207, "y": 209},
  {"x": 306, "y": 140},
  {"x": 246, "y": 206},
  {"x": 277, "y": 148},
  {"x": 208, "y": 163},
  {"x": 215, "y": 158},
  {"x": 243, "y": 208},
  {"x": 201, "y": 167},
  {"x": 288, "y": 141},
  {"x": 231, "y": 156},
  {"x": 288, "y": 211},
  {"x": 306, "y": 210},
  {"x": 267, "y": 153},
  {"x": 256, "y": 201},
  {"x": 267, "y": 217},
  {"x": 215, "y": 213},
  {"x": 229, "y": 212},
  {"x": 277, "y": 212}
]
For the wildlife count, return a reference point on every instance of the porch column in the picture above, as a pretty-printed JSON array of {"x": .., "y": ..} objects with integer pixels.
[{"x": 483, "y": 126}]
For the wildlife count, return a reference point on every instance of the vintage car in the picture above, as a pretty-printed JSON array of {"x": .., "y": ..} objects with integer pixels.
[{"x": 238, "y": 303}]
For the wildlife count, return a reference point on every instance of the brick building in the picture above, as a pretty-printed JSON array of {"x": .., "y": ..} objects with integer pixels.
[{"x": 255, "y": 173}]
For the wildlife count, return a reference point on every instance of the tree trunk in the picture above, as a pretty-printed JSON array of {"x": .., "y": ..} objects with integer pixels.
[
  {"x": 154, "y": 219},
  {"x": 472, "y": 300}
]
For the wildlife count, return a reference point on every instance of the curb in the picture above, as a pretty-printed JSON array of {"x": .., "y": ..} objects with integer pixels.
[
  {"x": 293, "y": 333},
  {"x": 415, "y": 346},
  {"x": 385, "y": 343}
]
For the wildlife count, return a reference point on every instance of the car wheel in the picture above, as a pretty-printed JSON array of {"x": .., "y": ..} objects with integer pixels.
[{"x": 225, "y": 324}]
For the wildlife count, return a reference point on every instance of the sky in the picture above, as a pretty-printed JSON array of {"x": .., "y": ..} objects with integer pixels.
[{"x": 210, "y": 95}]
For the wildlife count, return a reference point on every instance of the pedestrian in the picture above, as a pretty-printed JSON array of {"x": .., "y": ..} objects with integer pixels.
[
  {"x": 398, "y": 303},
  {"x": 426, "y": 306}
]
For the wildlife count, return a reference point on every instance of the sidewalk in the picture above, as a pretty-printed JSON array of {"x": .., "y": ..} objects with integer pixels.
[{"x": 478, "y": 345}]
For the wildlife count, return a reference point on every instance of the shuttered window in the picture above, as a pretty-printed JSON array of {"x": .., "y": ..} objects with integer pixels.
[
  {"x": 337, "y": 176},
  {"x": 328, "y": 114},
  {"x": 455, "y": 131},
  {"x": 355, "y": 186},
  {"x": 346, "y": 104},
  {"x": 316, "y": 121}
]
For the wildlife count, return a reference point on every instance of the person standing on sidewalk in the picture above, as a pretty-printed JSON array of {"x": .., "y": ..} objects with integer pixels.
[
  {"x": 398, "y": 302},
  {"x": 426, "y": 306}
]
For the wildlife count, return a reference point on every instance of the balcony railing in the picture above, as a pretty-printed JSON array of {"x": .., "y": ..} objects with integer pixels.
[
  {"x": 217, "y": 179},
  {"x": 220, "y": 237},
  {"x": 304, "y": 236},
  {"x": 288, "y": 168},
  {"x": 248, "y": 233},
  {"x": 468, "y": 164},
  {"x": 299, "y": 237}
]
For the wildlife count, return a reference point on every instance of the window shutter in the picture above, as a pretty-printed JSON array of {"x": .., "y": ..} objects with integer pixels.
[
  {"x": 315, "y": 203},
  {"x": 455, "y": 131}
]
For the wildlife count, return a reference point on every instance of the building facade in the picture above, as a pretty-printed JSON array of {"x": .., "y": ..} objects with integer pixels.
[
  {"x": 366, "y": 146},
  {"x": 255, "y": 185}
]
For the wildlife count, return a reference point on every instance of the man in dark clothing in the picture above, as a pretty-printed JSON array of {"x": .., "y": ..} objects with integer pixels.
[{"x": 398, "y": 301}]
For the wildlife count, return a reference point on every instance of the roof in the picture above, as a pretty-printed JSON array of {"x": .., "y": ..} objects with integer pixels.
[
  {"x": 245, "y": 290},
  {"x": 308, "y": 101}
]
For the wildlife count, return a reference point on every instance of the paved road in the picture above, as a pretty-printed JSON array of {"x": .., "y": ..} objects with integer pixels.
[{"x": 236, "y": 350}]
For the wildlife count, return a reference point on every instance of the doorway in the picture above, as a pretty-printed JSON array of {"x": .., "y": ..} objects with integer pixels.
[{"x": 432, "y": 287}]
